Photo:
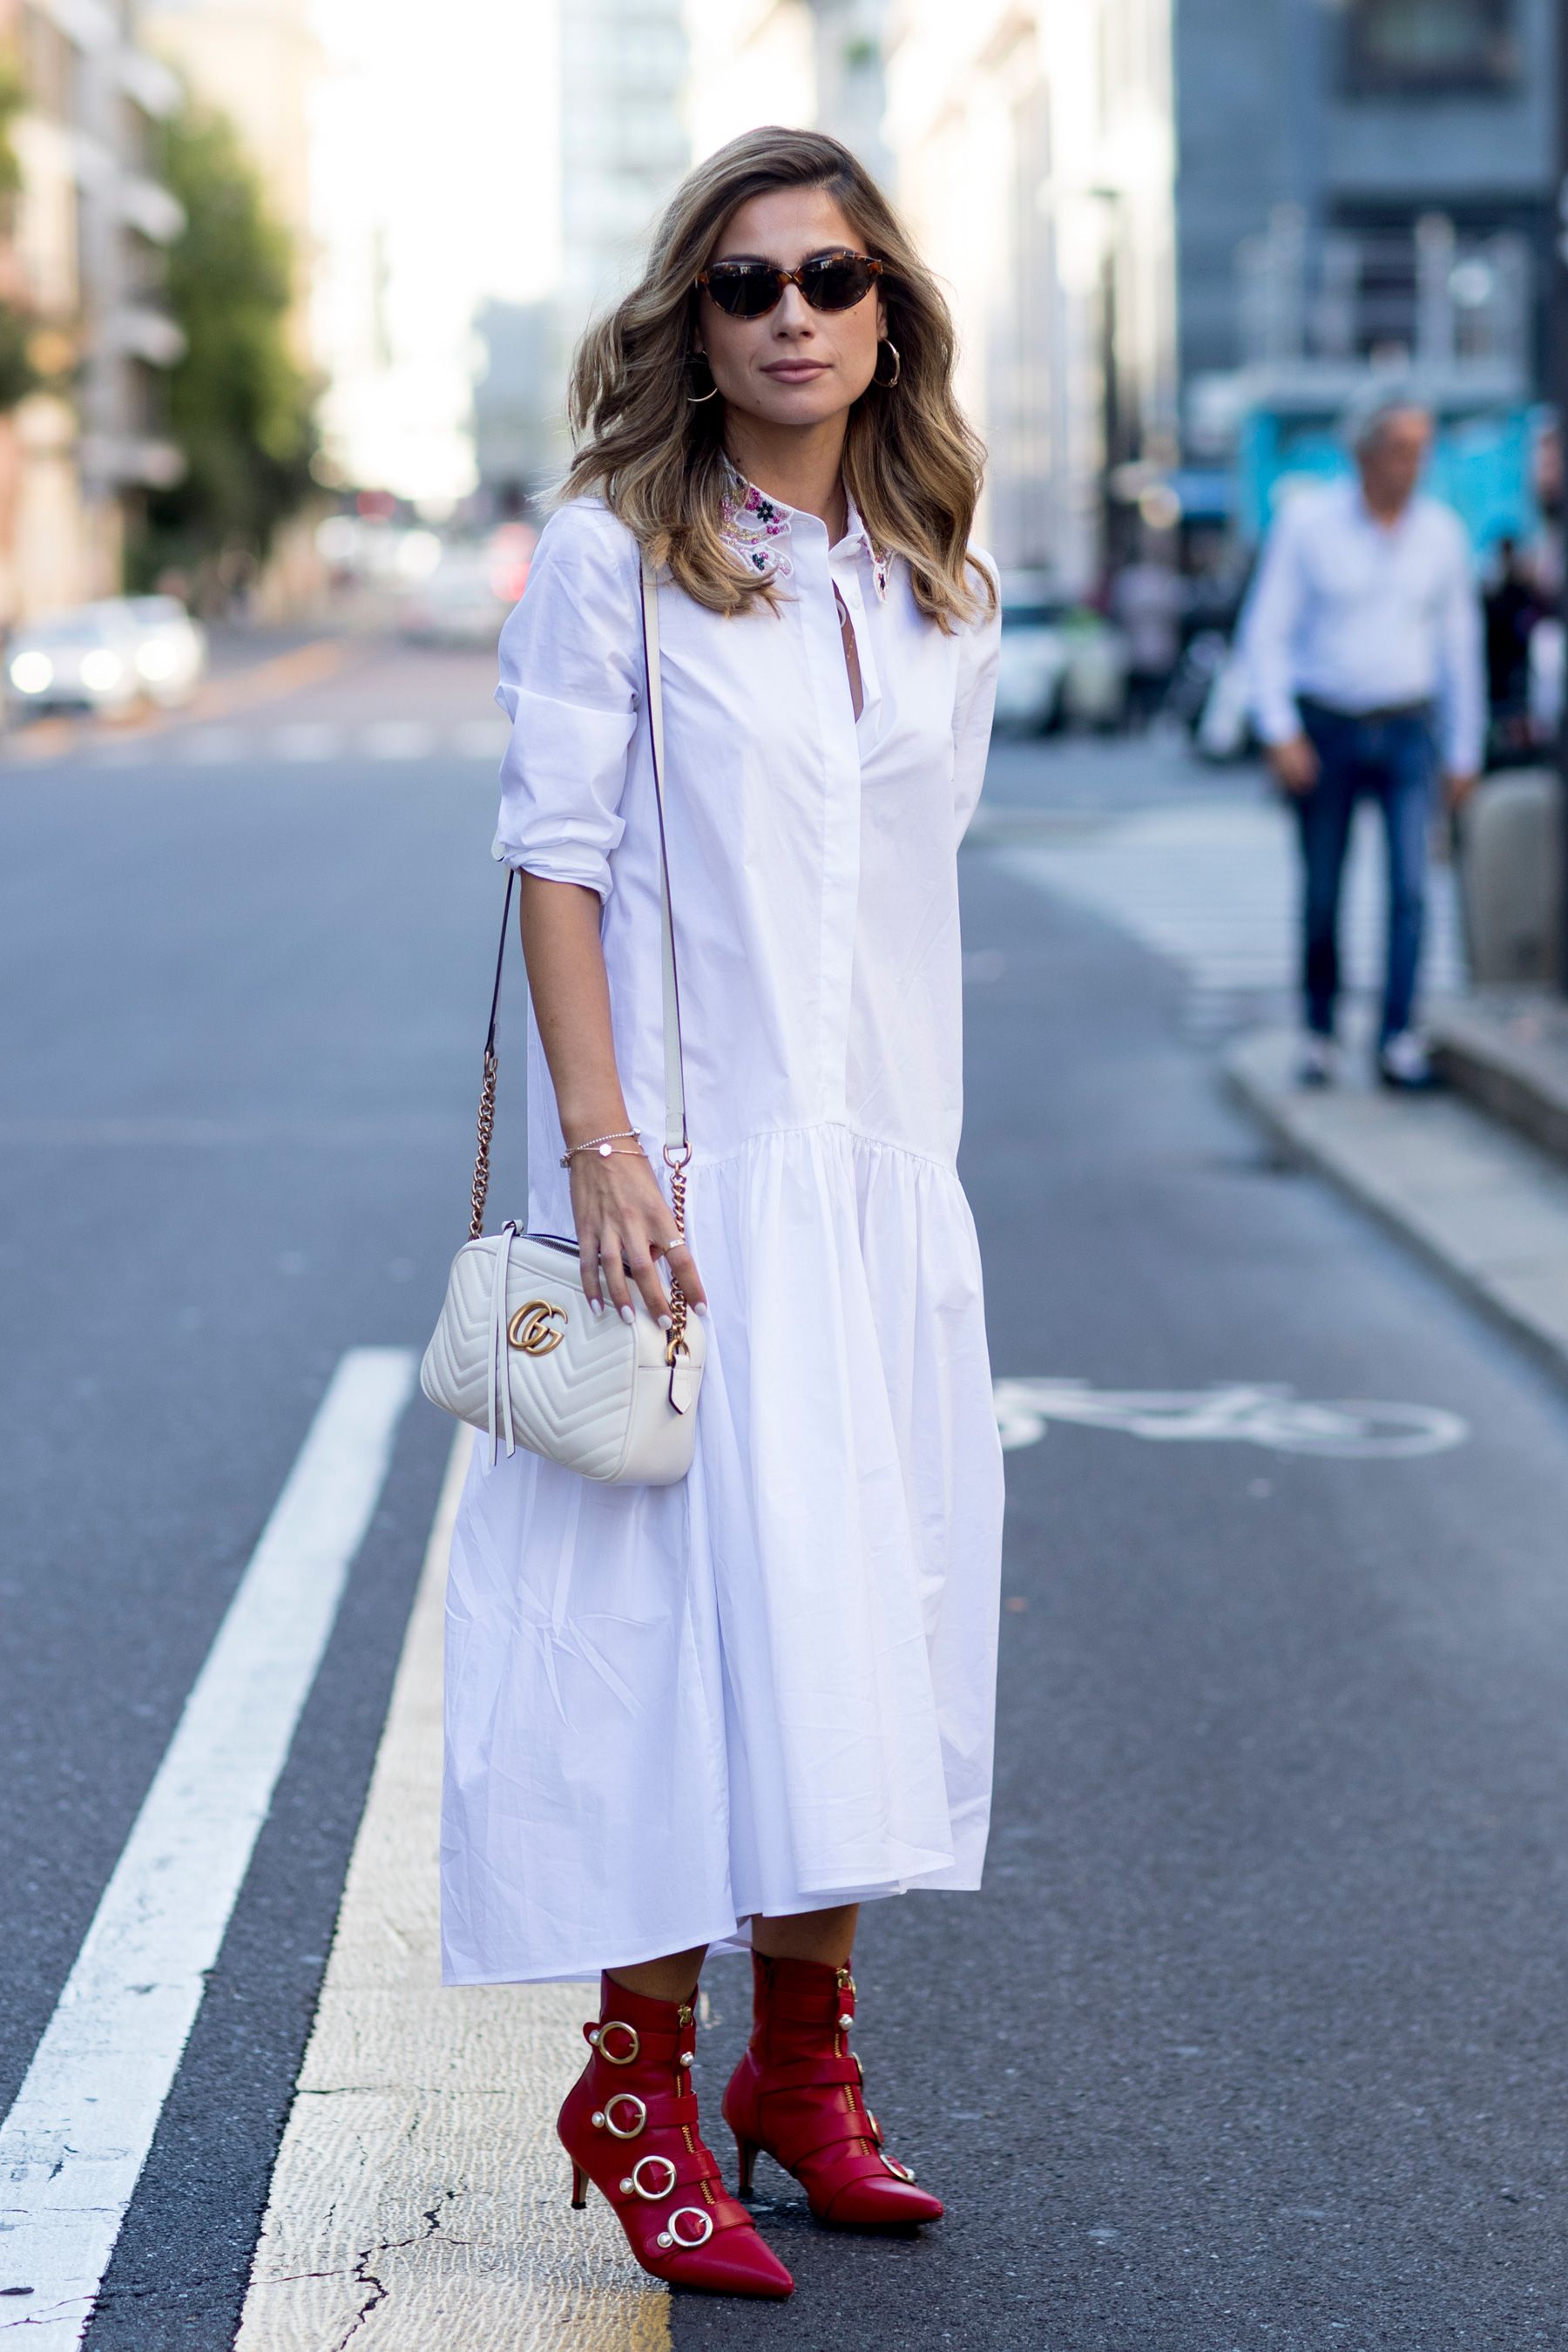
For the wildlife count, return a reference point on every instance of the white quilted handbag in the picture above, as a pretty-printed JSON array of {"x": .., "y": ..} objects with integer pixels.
[{"x": 516, "y": 1352}]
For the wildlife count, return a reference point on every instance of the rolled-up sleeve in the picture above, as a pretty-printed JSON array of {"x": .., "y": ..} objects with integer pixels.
[
  {"x": 1462, "y": 692},
  {"x": 571, "y": 666},
  {"x": 1270, "y": 625}
]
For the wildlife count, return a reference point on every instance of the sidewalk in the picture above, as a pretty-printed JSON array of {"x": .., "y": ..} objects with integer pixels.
[
  {"x": 1507, "y": 1049},
  {"x": 1487, "y": 1207}
]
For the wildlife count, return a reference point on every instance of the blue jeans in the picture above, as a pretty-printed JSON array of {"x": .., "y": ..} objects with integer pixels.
[{"x": 1392, "y": 760}]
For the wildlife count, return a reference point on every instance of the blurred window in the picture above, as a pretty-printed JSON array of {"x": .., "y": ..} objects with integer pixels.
[
  {"x": 1399, "y": 47},
  {"x": 49, "y": 61}
]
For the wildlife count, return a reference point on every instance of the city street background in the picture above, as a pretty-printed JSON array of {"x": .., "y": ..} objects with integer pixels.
[
  {"x": 1254, "y": 2041},
  {"x": 1251, "y": 2039}
]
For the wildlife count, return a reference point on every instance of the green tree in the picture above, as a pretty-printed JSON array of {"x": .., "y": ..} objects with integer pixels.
[
  {"x": 240, "y": 407},
  {"x": 18, "y": 375}
]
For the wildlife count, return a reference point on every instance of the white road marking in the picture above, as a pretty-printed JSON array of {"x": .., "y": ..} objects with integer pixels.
[
  {"x": 74, "y": 2144},
  {"x": 309, "y": 738},
  {"x": 399, "y": 738},
  {"x": 420, "y": 2194},
  {"x": 122, "y": 751},
  {"x": 298, "y": 743},
  {"x": 1252, "y": 1412},
  {"x": 481, "y": 739},
  {"x": 214, "y": 747},
  {"x": 1213, "y": 887}
]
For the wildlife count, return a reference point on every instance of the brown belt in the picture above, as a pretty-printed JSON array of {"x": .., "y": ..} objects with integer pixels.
[{"x": 1309, "y": 703}]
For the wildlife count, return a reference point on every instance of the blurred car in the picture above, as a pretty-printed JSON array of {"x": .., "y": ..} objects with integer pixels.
[
  {"x": 461, "y": 604},
  {"x": 79, "y": 660},
  {"x": 1032, "y": 658},
  {"x": 1225, "y": 730},
  {"x": 1094, "y": 689},
  {"x": 170, "y": 649},
  {"x": 1059, "y": 662}
]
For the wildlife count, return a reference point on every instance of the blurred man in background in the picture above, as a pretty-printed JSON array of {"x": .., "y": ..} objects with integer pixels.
[
  {"x": 1147, "y": 598},
  {"x": 1515, "y": 606},
  {"x": 1363, "y": 637}
]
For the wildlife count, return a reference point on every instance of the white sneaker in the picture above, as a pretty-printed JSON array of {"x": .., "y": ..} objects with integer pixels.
[
  {"x": 1317, "y": 1066},
  {"x": 1402, "y": 1061}
]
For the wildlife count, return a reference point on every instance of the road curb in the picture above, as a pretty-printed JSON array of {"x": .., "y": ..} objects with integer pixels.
[
  {"x": 1487, "y": 1210},
  {"x": 1504, "y": 1050}
]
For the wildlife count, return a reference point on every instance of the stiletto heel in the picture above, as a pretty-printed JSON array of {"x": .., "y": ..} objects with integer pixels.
[
  {"x": 797, "y": 2093},
  {"x": 630, "y": 2126}
]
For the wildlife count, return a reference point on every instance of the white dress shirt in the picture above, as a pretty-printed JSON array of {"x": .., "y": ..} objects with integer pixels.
[
  {"x": 1367, "y": 615},
  {"x": 768, "y": 1689}
]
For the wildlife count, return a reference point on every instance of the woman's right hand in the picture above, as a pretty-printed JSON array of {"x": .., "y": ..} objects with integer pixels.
[
  {"x": 624, "y": 1222},
  {"x": 623, "y": 1226}
]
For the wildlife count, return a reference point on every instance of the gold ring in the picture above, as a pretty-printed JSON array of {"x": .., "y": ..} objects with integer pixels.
[
  {"x": 615, "y": 2025},
  {"x": 639, "y": 2186},
  {"x": 670, "y": 2236}
]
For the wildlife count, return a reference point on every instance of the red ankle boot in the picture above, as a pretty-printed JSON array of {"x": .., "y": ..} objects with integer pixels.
[
  {"x": 796, "y": 2093},
  {"x": 629, "y": 2126}
]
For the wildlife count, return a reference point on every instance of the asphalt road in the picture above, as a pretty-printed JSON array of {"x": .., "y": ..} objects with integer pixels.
[{"x": 1256, "y": 2036}]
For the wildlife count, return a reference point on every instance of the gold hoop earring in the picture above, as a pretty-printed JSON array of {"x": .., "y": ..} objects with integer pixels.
[
  {"x": 888, "y": 382},
  {"x": 696, "y": 399}
]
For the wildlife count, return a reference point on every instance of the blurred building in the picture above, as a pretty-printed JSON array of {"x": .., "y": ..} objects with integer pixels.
[
  {"x": 809, "y": 62},
  {"x": 83, "y": 262},
  {"x": 259, "y": 62},
  {"x": 623, "y": 145},
  {"x": 1029, "y": 148},
  {"x": 1034, "y": 156},
  {"x": 1370, "y": 185},
  {"x": 516, "y": 403},
  {"x": 1179, "y": 237},
  {"x": 624, "y": 141}
]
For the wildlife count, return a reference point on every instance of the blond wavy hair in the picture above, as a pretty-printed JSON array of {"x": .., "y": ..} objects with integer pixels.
[{"x": 656, "y": 456}]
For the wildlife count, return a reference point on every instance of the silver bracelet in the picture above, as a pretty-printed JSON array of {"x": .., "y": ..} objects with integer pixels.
[{"x": 601, "y": 1144}]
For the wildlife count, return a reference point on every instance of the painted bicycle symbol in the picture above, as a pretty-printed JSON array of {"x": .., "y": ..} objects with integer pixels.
[{"x": 1240, "y": 1413}]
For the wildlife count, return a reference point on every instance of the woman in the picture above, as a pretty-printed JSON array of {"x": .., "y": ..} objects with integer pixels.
[{"x": 735, "y": 1709}]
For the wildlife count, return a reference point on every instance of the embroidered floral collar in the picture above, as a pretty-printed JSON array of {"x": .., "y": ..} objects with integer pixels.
[{"x": 755, "y": 530}]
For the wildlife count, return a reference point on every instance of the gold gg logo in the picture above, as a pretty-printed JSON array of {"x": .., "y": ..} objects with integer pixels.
[{"x": 537, "y": 1326}]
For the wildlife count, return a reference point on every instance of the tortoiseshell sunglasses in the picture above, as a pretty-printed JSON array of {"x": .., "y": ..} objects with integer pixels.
[{"x": 828, "y": 281}]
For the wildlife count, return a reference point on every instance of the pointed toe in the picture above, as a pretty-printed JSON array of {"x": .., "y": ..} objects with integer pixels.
[
  {"x": 736, "y": 2264},
  {"x": 630, "y": 2126},
  {"x": 798, "y": 2095}
]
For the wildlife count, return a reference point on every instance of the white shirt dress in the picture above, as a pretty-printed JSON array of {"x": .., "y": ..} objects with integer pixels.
[{"x": 768, "y": 1689}]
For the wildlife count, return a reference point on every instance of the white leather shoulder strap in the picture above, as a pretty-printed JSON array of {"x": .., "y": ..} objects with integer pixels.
[
  {"x": 677, "y": 1149},
  {"x": 675, "y": 1137}
]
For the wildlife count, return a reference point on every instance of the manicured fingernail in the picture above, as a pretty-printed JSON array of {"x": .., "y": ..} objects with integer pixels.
[
  {"x": 629, "y": 1315},
  {"x": 700, "y": 1306},
  {"x": 665, "y": 1324},
  {"x": 595, "y": 1305}
]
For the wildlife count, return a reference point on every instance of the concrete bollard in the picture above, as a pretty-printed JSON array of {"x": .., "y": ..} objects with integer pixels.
[{"x": 1510, "y": 874}]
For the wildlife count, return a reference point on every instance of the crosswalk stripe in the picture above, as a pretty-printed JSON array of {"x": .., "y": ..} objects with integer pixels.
[
  {"x": 309, "y": 738},
  {"x": 420, "y": 2192},
  {"x": 299, "y": 742},
  {"x": 1215, "y": 890},
  {"x": 399, "y": 738},
  {"x": 209, "y": 746},
  {"x": 72, "y": 2148}
]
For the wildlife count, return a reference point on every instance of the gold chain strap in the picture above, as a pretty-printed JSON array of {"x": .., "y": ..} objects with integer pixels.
[
  {"x": 483, "y": 1159},
  {"x": 676, "y": 1343}
]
